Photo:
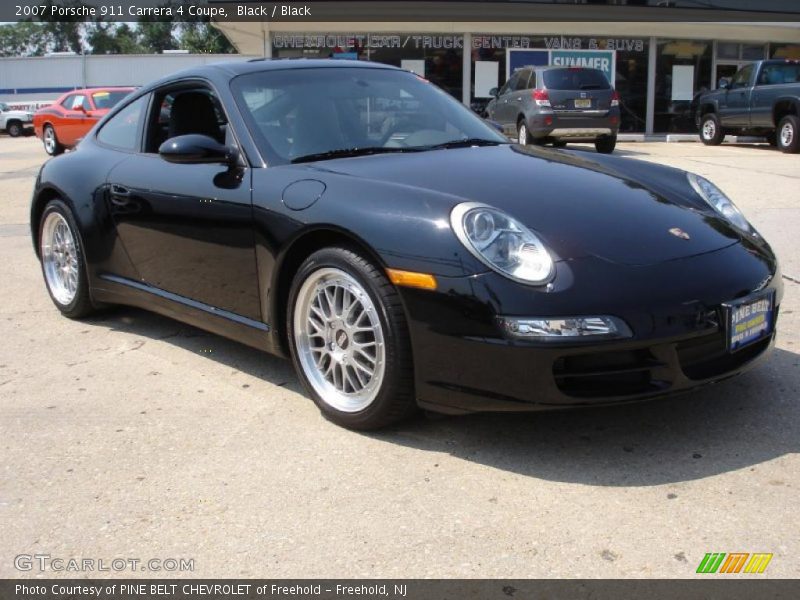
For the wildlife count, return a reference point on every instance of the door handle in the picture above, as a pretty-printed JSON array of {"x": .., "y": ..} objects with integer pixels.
[{"x": 118, "y": 190}]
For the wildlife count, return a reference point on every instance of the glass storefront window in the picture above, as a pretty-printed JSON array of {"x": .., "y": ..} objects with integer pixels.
[
  {"x": 737, "y": 51},
  {"x": 683, "y": 72},
  {"x": 437, "y": 57},
  {"x": 789, "y": 51},
  {"x": 752, "y": 51},
  {"x": 631, "y": 62}
]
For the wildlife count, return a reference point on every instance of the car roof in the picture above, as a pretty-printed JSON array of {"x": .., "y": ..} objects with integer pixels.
[
  {"x": 273, "y": 64},
  {"x": 234, "y": 68}
]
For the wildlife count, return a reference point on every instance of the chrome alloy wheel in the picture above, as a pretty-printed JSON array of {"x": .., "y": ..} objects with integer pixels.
[
  {"x": 709, "y": 129},
  {"x": 522, "y": 139},
  {"x": 339, "y": 340},
  {"x": 787, "y": 134},
  {"x": 60, "y": 258},
  {"x": 49, "y": 140}
]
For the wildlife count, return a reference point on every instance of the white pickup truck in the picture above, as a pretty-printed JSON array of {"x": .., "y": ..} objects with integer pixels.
[{"x": 14, "y": 122}]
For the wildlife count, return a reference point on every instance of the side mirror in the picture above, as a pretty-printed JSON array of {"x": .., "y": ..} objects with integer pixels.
[
  {"x": 724, "y": 83},
  {"x": 494, "y": 92},
  {"x": 196, "y": 149}
]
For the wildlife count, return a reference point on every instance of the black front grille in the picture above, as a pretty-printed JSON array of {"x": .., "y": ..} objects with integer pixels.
[
  {"x": 706, "y": 357},
  {"x": 608, "y": 374}
]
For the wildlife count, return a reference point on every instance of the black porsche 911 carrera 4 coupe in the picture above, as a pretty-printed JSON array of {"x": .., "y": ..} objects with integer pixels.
[{"x": 356, "y": 218}]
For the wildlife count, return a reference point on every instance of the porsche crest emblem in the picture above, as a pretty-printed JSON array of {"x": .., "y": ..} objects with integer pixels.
[{"x": 679, "y": 233}]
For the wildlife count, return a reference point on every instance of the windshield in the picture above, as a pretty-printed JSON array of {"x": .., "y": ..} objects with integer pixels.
[
  {"x": 104, "y": 100},
  {"x": 331, "y": 112},
  {"x": 575, "y": 78}
]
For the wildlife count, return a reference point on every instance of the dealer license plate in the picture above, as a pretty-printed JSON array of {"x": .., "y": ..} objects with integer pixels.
[
  {"x": 583, "y": 103},
  {"x": 749, "y": 320}
]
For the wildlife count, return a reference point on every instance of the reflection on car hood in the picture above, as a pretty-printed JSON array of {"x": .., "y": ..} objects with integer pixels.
[{"x": 580, "y": 205}]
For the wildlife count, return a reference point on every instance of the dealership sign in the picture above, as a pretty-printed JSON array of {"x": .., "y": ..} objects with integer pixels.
[{"x": 605, "y": 60}]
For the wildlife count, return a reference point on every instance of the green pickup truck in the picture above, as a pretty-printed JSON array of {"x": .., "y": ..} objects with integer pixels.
[{"x": 762, "y": 98}]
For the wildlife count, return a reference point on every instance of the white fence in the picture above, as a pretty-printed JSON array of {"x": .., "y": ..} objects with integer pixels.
[{"x": 45, "y": 78}]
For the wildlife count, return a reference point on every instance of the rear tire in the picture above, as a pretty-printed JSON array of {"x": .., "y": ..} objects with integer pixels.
[
  {"x": 523, "y": 135},
  {"x": 711, "y": 132},
  {"x": 14, "y": 129},
  {"x": 63, "y": 262},
  {"x": 349, "y": 340},
  {"x": 606, "y": 144},
  {"x": 51, "y": 144},
  {"x": 789, "y": 134}
]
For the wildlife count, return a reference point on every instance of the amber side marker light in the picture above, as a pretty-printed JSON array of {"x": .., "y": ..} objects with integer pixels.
[{"x": 423, "y": 281}]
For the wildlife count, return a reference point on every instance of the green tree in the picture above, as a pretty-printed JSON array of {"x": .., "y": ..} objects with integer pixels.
[
  {"x": 65, "y": 33},
  {"x": 113, "y": 38},
  {"x": 199, "y": 37},
  {"x": 156, "y": 36},
  {"x": 23, "y": 39}
]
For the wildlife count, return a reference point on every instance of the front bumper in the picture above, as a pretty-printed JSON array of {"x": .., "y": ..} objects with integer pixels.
[
  {"x": 574, "y": 126},
  {"x": 463, "y": 363}
]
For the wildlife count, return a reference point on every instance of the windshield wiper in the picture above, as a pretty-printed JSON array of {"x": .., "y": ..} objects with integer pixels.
[
  {"x": 346, "y": 152},
  {"x": 464, "y": 143}
]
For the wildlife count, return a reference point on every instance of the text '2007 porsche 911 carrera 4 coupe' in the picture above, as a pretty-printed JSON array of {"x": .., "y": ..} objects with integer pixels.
[{"x": 405, "y": 255}]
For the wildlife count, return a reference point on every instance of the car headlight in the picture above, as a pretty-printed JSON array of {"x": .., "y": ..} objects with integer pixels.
[
  {"x": 717, "y": 200},
  {"x": 502, "y": 243}
]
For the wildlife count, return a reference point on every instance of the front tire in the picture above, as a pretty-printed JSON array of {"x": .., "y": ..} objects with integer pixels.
[
  {"x": 51, "y": 144},
  {"x": 606, "y": 144},
  {"x": 711, "y": 132},
  {"x": 349, "y": 340},
  {"x": 789, "y": 134},
  {"x": 14, "y": 129},
  {"x": 63, "y": 262}
]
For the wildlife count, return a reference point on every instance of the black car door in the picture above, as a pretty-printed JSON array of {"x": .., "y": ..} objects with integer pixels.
[{"x": 188, "y": 227}]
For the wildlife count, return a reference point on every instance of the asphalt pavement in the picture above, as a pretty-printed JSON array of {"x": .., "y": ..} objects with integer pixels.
[{"x": 132, "y": 436}]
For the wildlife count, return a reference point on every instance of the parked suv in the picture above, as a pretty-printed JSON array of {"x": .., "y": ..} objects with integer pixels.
[
  {"x": 762, "y": 98},
  {"x": 14, "y": 122},
  {"x": 557, "y": 105}
]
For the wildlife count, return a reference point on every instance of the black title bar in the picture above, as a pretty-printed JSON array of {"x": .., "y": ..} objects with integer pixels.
[
  {"x": 321, "y": 11},
  {"x": 709, "y": 587}
]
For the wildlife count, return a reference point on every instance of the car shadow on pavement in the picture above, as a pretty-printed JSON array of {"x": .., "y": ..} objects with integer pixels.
[
  {"x": 210, "y": 346},
  {"x": 736, "y": 424},
  {"x": 589, "y": 149}
]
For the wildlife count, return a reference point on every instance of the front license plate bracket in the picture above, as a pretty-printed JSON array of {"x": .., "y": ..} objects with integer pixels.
[{"x": 749, "y": 320}]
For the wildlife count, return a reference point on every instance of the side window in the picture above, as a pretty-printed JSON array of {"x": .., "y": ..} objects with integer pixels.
[
  {"x": 67, "y": 102},
  {"x": 79, "y": 101},
  {"x": 778, "y": 74},
  {"x": 522, "y": 82},
  {"x": 511, "y": 84},
  {"x": 122, "y": 131},
  {"x": 742, "y": 77},
  {"x": 183, "y": 112}
]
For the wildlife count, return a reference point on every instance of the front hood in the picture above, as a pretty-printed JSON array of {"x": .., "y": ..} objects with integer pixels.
[{"x": 579, "y": 204}]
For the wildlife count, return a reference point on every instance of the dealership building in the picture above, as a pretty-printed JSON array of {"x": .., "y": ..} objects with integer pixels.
[{"x": 658, "y": 67}]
